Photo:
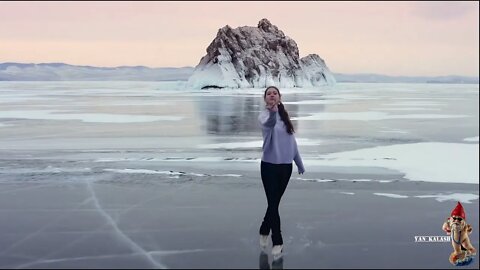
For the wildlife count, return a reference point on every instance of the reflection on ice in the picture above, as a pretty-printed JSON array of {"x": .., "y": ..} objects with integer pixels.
[{"x": 227, "y": 114}]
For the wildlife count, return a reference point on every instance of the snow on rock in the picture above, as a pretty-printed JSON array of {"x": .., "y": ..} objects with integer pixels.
[{"x": 255, "y": 57}]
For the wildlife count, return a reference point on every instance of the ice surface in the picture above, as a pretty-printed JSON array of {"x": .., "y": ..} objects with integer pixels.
[
  {"x": 86, "y": 117},
  {"x": 408, "y": 109},
  {"x": 390, "y": 195},
  {"x": 471, "y": 139},
  {"x": 213, "y": 127},
  {"x": 415, "y": 103},
  {"x": 143, "y": 194},
  {"x": 371, "y": 116},
  {"x": 419, "y": 161},
  {"x": 254, "y": 144},
  {"x": 461, "y": 197}
]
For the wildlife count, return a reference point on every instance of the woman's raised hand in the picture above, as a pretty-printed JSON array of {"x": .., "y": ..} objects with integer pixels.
[{"x": 272, "y": 107}]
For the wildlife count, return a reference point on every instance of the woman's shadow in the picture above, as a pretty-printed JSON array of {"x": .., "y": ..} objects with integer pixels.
[{"x": 264, "y": 264}]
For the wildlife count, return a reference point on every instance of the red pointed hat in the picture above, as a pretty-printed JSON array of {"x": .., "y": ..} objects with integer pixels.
[{"x": 458, "y": 211}]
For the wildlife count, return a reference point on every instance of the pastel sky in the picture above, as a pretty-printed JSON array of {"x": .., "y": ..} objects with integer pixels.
[{"x": 393, "y": 38}]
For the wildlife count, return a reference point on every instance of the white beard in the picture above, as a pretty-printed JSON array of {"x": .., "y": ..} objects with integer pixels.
[{"x": 457, "y": 227}]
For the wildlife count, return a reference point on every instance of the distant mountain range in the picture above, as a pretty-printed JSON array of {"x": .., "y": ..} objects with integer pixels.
[
  {"x": 65, "y": 72},
  {"x": 378, "y": 78}
]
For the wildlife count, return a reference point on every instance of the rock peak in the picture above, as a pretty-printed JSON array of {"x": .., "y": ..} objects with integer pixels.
[
  {"x": 249, "y": 56},
  {"x": 265, "y": 25}
]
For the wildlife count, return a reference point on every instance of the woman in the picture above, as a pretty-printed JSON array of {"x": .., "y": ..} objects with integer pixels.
[{"x": 279, "y": 150}]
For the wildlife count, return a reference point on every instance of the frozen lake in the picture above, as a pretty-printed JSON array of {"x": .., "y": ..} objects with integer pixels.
[
  {"x": 151, "y": 175},
  {"x": 388, "y": 128}
]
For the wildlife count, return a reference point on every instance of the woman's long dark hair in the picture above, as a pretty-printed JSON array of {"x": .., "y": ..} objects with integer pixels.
[{"x": 283, "y": 113}]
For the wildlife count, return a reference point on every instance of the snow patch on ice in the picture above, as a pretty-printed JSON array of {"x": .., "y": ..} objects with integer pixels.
[
  {"x": 461, "y": 197},
  {"x": 390, "y": 195},
  {"x": 415, "y": 103},
  {"x": 252, "y": 144},
  {"x": 409, "y": 109},
  {"x": 471, "y": 139},
  {"x": 431, "y": 162},
  {"x": 372, "y": 115},
  {"x": 170, "y": 173},
  {"x": 316, "y": 180},
  {"x": 86, "y": 117},
  {"x": 316, "y": 102}
]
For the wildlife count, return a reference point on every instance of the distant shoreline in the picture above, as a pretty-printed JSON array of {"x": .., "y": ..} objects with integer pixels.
[
  {"x": 166, "y": 81},
  {"x": 10, "y": 71}
]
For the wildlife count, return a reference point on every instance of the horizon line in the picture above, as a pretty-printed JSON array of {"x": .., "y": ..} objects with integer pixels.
[{"x": 340, "y": 73}]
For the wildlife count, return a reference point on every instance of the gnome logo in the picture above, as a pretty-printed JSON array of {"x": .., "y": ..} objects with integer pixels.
[{"x": 456, "y": 226}]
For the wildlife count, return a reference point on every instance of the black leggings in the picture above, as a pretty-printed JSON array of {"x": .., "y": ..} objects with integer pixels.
[{"x": 275, "y": 179}]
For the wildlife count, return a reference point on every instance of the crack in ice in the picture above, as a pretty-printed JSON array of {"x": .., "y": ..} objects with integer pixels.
[{"x": 134, "y": 245}]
